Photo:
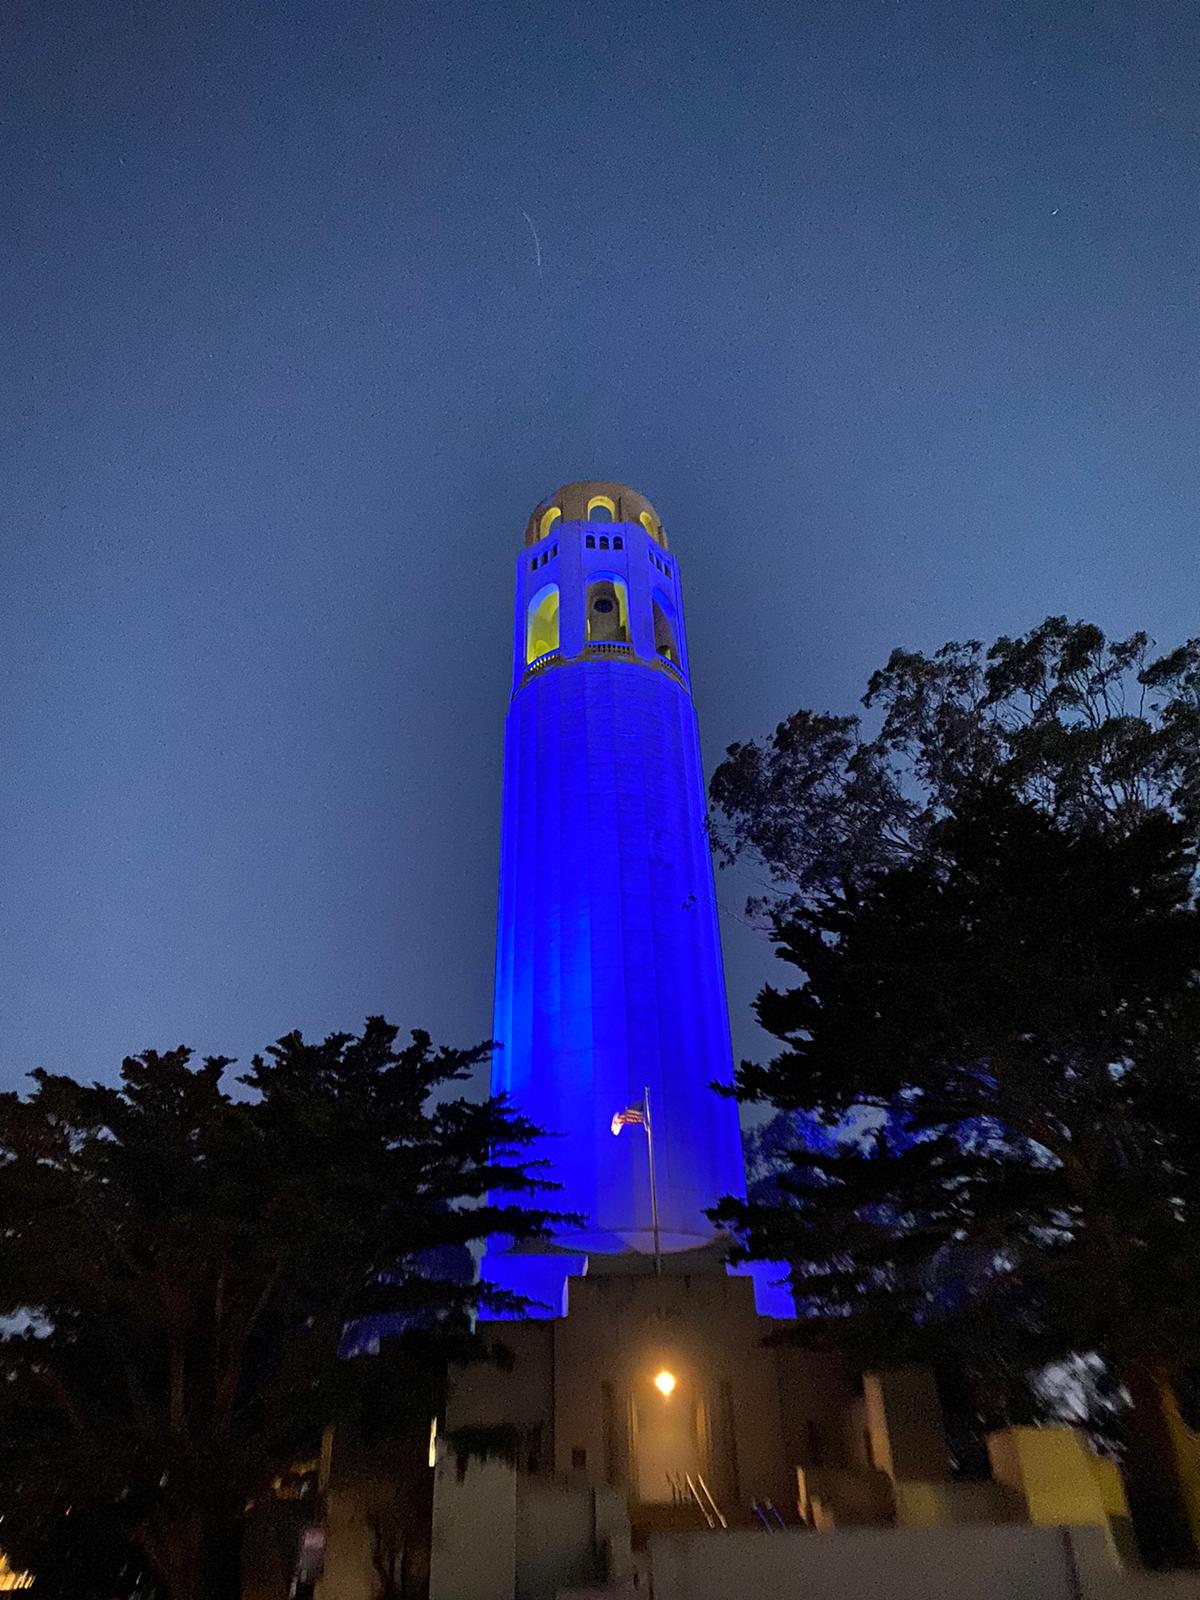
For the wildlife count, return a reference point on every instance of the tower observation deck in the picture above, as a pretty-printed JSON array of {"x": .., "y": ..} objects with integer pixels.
[{"x": 609, "y": 977}]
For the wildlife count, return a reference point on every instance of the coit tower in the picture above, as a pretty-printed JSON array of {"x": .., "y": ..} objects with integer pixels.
[{"x": 608, "y": 958}]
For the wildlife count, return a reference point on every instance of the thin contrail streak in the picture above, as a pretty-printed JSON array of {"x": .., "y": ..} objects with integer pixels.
[{"x": 537, "y": 243}]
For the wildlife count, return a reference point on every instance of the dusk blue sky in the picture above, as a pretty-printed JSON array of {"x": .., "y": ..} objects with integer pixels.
[{"x": 890, "y": 307}]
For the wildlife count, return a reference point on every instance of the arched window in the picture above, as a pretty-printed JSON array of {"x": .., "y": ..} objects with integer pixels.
[
  {"x": 664, "y": 629},
  {"x": 607, "y": 610},
  {"x": 647, "y": 522},
  {"x": 601, "y": 509},
  {"x": 549, "y": 518},
  {"x": 541, "y": 626}
]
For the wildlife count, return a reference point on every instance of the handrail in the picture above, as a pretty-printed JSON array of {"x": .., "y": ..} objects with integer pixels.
[
  {"x": 717, "y": 1512},
  {"x": 695, "y": 1494}
]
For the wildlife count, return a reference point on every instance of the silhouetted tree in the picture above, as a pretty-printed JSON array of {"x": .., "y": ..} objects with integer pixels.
[
  {"x": 1085, "y": 729},
  {"x": 991, "y": 905},
  {"x": 184, "y": 1262}
]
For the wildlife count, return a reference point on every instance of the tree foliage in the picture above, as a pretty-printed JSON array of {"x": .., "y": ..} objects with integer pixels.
[
  {"x": 990, "y": 905},
  {"x": 1026, "y": 1010},
  {"x": 1086, "y": 730},
  {"x": 184, "y": 1261}
]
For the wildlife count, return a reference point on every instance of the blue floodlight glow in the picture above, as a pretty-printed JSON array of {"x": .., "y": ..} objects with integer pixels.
[{"x": 609, "y": 977}]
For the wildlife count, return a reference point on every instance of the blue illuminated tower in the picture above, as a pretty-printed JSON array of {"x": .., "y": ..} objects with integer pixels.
[{"x": 608, "y": 960}]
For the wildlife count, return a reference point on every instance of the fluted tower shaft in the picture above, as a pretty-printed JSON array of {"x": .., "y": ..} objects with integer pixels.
[{"x": 608, "y": 967}]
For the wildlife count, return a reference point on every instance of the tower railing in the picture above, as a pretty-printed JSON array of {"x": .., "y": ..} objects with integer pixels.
[{"x": 602, "y": 647}]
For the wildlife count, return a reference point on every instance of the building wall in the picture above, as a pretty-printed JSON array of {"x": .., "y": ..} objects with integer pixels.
[
  {"x": 940, "y": 1503},
  {"x": 555, "y": 1540},
  {"x": 1185, "y": 1443},
  {"x": 759, "y": 1422},
  {"x": 1056, "y": 1477},
  {"x": 975, "y": 1563},
  {"x": 500, "y": 1535},
  {"x": 903, "y": 1419},
  {"x": 520, "y": 1395},
  {"x": 581, "y": 1379},
  {"x": 821, "y": 1411},
  {"x": 474, "y": 1545}
]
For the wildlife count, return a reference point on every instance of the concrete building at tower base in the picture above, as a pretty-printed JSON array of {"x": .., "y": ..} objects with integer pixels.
[{"x": 663, "y": 1436}]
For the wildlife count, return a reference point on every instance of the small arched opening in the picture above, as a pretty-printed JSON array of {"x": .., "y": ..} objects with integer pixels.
[
  {"x": 665, "y": 643},
  {"x": 607, "y": 610},
  {"x": 601, "y": 509},
  {"x": 547, "y": 521},
  {"x": 541, "y": 626}
]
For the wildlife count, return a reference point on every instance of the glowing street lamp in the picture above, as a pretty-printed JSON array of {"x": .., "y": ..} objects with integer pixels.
[{"x": 665, "y": 1383}]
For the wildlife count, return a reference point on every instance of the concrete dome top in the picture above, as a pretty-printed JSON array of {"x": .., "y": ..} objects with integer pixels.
[{"x": 594, "y": 500}]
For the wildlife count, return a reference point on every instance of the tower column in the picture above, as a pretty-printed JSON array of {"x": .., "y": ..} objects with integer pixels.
[{"x": 608, "y": 966}]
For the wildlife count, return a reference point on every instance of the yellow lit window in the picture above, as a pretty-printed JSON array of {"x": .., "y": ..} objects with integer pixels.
[{"x": 541, "y": 629}]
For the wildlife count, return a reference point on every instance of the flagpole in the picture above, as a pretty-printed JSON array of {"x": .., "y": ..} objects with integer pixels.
[{"x": 653, "y": 1184}]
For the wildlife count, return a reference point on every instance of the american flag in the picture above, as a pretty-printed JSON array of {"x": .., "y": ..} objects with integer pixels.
[{"x": 631, "y": 1117}]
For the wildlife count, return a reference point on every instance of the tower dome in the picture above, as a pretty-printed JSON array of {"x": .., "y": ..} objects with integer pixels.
[{"x": 594, "y": 501}]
